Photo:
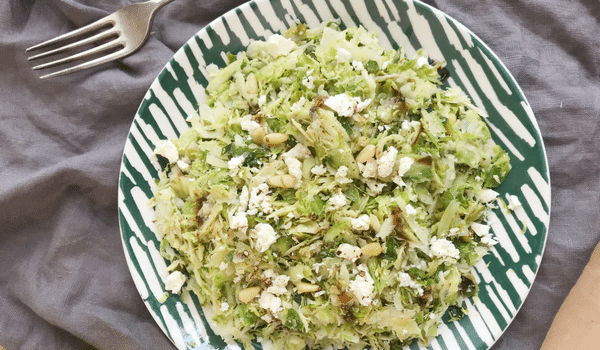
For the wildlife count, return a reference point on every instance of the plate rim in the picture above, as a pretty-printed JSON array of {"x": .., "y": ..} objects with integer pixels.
[{"x": 483, "y": 45}]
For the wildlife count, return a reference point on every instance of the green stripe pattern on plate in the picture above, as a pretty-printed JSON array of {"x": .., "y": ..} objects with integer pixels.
[{"x": 505, "y": 275}]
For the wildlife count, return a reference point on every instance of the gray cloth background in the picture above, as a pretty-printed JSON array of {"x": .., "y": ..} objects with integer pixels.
[{"x": 64, "y": 283}]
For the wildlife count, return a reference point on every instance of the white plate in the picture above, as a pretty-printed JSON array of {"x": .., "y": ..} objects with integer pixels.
[{"x": 505, "y": 275}]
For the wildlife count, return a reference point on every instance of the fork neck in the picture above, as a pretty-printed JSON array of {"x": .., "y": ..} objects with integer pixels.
[{"x": 160, "y": 2}]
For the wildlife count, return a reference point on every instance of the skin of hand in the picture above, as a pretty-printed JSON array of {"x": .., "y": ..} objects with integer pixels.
[{"x": 577, "y": 323}]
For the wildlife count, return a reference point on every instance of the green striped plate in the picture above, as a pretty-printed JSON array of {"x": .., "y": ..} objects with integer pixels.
[{"x": 505, "y": 275}]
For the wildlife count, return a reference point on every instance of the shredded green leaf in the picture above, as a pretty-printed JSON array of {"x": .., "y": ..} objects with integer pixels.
[{"x": 360, "y": 214}]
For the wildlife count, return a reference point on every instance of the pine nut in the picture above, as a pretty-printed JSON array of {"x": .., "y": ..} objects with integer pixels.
[
  {"x": 275, "y": 181},
  {"x": 282, "y": 181},
  {"x": 288, "y": 181},
  {"x": 258, "y": 135},
  {"x": 307, "y": 287},
  {"x": 367, "y": 153},
  {"x": 251, "y": 84},
  {"x": 371, "y": 249},
  {"x": 275, "y": 139},
  {"x": 247, "y": 294}
]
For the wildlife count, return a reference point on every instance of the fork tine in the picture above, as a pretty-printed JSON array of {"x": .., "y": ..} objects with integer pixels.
[
  {"x": 88, "y": 28},
  {"x": 90, "y": 64},
  {"x": 102, "y": 35},
  {"x": 95, "y": 50}
]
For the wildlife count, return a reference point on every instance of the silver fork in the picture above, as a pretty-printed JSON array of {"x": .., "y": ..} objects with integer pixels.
[{"x": 130, "y": 25}]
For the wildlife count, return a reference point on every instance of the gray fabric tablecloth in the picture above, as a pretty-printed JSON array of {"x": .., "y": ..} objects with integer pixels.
[{"x": 64, "y": 283}]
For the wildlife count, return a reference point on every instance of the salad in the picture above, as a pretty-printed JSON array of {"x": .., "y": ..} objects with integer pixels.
[{"x": 329, "y": 193}]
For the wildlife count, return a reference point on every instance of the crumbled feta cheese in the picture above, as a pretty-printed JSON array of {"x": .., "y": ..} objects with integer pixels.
[
  {"x": 375, "y": 186},
  {"x": 480, "y": 229},
  {"x": 398, "y": 181},
  {"x": 262, "y": 100},
  {"x": 404, "y": 165},
  {"x": 342, "y": 104},
  {"x": 259, "y": 200},
  {"x": 406, "y": 125},
  {"x": 405, "y": 280},
  {"x": 294, "y": 168},
  {"x": 453, "y": 231},
  {"x": 235, "y": 164},
  {"x": 346, "y": 106},
  {"x": 238, "y": 140},
  {"x": 513, "y": 202},
  {"x": 167, "y": 149},
  {"x": 278, "y": 284},
  {"x": 268, "y": 274},
  {"x": 270, "y": 302},
  {"x": 489, "y": 240},
  {"x": 443, "y": 249},
  {"x": 341, "y": 175},
  {"x": 174, "y": 282},
  {"x": 183, "y": 166},
  {"x": 224, "y": 306},
  {"x": 342, "y": 171},
  {"x": 343, "y": 55},
  {"x": 309, "y": 82},
  {"x": 299, "y": 152},
  {"x": 362, "y": 286},
  {"x": 358, "y": 65},
  {"x": 239, "y": 221},
  {"x": 369, "y": 170},
  {"x": 265, "y": 236},
  {"x": 421, "y": 61},
  {"x": 249, "y": 125},
  {"x": 483, "y": 231},
  {"x": 278, "y": 45},
  {"x": 244, "y": 198},
  {"x": 337, "y": 201},
  {"x": 223, "y": 266},
  {"x": 361, "y": 105},
  {"x": 361, "y": 223},
  {"x": 385, "y": 164},
  {"x": 212, "y": 70},
  {"x": 318, "y": 170},
  {"x": 488, "y": 195},
  {"x": 317, "y": 266},
  {"x": 410, "y": 210},
  {"x": 348, "y": 251},
  {"x": 298, "y": 105}
]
